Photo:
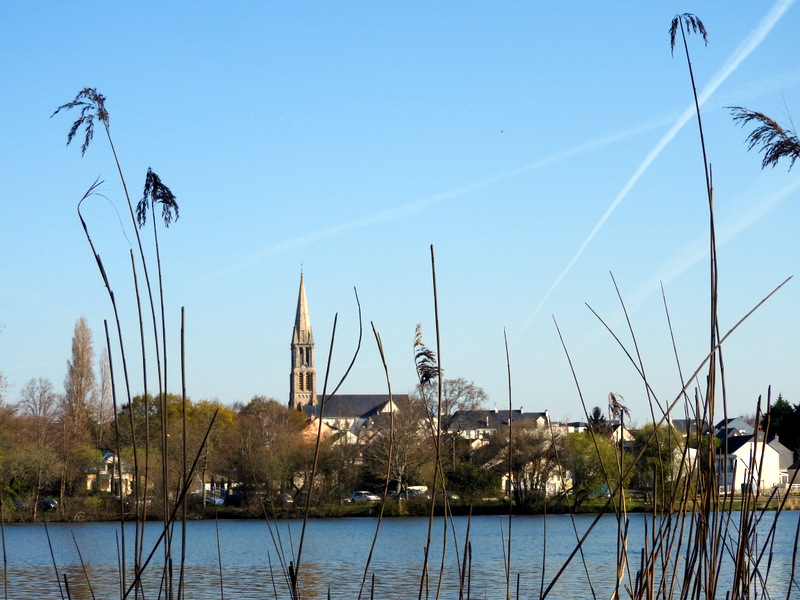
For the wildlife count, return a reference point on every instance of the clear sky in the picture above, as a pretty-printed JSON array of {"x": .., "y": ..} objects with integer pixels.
[{"x": 538, "y": 146}]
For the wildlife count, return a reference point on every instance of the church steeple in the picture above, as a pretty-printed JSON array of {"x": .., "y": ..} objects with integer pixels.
[{"x": 303, "y": 378}]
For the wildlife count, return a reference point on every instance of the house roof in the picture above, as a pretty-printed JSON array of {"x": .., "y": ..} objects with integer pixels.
[
  {"x": 733, "y": 427},
  {"x": 492, "y": 419},
  {"x": 737, "y": 441},
  {"x": 686, "y": 425},
  {"x": 361, "y": 406},
  {"x": 785, "y": 456},
  {"x": 734, "y": 443}
]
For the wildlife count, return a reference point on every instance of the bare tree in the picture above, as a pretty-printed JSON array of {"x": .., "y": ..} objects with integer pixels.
[
  {"x": 34, "y": 454},
  {"x": 410, "y": 448},
  {"x": 3, "y": 381},
  {"x": 459, "y": 398},
  {"x": 39, "y": 402}
]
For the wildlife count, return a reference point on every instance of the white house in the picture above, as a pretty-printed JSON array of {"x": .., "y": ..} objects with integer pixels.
[
  {"x": 747, "y": 461},
  {"x": 107, "y": 478}
]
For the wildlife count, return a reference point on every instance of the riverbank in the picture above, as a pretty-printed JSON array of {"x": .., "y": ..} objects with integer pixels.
[{"x": 103, "y": 509}]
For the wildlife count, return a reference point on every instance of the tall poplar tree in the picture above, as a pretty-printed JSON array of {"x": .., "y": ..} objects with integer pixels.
[
  {"x": 79, "y": 385},
  {"x": 80, "y": 392}
]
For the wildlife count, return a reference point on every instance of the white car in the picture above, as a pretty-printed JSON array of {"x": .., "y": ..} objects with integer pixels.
[{"x": 362, "y": 496}]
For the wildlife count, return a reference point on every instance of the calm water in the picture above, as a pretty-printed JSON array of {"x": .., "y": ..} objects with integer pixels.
[{"x": 335, "y": 554}]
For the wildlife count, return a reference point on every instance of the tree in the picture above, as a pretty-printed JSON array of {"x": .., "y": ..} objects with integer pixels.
[
  {"x": 594, "y": 464},
  {"x": 783, "y": 420},
  {"x": 598, "y": 423},
  {"x": 473, "y": 481},
  {"x": 103, "y": 410},
  {"x": 405, "y": 436},
  {"x": 39, "y": 402},
  {"x": 459, "y": 396},
  {"x": 270, "y": 445},
  {"x": 32, "y": 466},
  {"x": 212, "y": 464},
  {"x": 80, "y": 394},
  {"x": 534, "y": 460},
  {"x": 79, "y": 385},
  {"x": 658, "y": 468},
  {"x": 3, "y": 381}
]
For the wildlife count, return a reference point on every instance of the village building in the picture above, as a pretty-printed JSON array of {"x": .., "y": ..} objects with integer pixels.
[
  {"x": 111, "y": 476},
  {"x": 340, "y": 413},
  {"x": 733, "y": 427},
  {"x": 748, "y": 461}
]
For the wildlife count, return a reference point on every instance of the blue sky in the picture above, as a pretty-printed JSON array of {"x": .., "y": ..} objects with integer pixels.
[{"x": 539, "y": 148}]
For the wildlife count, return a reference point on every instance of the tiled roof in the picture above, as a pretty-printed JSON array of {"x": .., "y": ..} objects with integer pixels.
[
  {"x": 353, "y": 405},
  {"x": 481, "y": 419},
  {"x": 734, "y": 443}
]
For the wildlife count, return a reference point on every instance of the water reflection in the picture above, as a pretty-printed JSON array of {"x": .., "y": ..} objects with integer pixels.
[{"x": 334, "y": 557}]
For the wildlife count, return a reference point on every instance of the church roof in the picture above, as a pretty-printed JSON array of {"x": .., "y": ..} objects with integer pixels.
[{"x": 360, "y": 406}]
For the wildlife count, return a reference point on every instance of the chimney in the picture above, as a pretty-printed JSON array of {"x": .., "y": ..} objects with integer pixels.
[
  {"x": 521, "y": 410},
  {"x": 496, "y": 409}
]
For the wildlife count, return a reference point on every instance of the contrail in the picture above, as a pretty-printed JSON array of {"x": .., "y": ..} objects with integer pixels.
[
  {"x": 417, "y": 206},
  {"x": 697, "y": 250},
  {"x": 743, "y": 51}
]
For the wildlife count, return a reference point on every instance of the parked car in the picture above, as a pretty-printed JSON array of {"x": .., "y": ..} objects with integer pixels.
[
  {"x": 363, "y": 496},
  {"x": 413, "y": 494},
  {"x": 301, "y": 498}
]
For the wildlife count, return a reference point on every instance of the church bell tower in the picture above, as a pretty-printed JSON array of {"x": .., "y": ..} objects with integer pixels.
[{"x": 303, "y": 378}]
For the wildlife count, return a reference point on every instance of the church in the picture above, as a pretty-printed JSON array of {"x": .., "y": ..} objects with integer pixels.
[{"x": 342, "y": 412}]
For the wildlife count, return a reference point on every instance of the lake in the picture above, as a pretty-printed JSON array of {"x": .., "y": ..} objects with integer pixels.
[{"x": 334, "y": 557}]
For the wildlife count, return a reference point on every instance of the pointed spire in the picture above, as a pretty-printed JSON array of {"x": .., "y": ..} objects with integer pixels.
[
  {"x": 303, "y": 384},
  {"x": 302, "y": 322}
]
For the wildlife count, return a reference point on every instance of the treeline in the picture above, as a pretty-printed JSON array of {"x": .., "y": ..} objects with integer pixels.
[{"x": 266, "y": 450}]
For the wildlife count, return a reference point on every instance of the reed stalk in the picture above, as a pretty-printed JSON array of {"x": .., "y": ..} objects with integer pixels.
[
  {"x": 83, "y": 566},
  {"x": 426, "y": 371},
  {"x": 174, "y": 511},
  {"x": 140, "y": 506},
  {"x": 510, "y": 482},
  {"x": 52, "y": 556},
  {"x": 91, "y": 105},
  {"x": 388, "y": 465},
  {"x": 5, "y": 553},
  {"x": 185, "y": 455},
  {"x": 294, "y": 573}
]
